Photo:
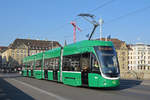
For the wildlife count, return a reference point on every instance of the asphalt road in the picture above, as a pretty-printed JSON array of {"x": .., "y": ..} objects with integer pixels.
[{"x": 16, "y": 87}]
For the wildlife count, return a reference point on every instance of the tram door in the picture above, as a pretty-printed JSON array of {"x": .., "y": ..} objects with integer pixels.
[
  {"x": 46, "y": 74},
  {"x": 84, "y": 76},
  {"x": 32, "y": 72},
  {"x": 55, "y": 68},
  {"x": 55, "y": 75},
  {"x": 27, "y": 72},
  {"x": 85, "y": 64}
]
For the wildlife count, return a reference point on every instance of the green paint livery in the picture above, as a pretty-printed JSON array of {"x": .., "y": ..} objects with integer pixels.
[{"x": 71, "y": 77}]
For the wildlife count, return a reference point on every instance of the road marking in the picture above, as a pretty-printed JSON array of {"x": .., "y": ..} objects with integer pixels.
[{"x": 41, "y": 90}]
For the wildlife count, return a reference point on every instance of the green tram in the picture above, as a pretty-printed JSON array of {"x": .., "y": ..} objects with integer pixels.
[{"x": 91, "y": 63}]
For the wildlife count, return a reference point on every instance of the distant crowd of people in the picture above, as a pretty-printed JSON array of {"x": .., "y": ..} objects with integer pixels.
[{"x": 9, "y": 70}]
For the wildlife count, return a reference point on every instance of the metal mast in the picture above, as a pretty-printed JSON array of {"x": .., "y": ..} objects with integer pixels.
[{"x": 101, "y": 23}]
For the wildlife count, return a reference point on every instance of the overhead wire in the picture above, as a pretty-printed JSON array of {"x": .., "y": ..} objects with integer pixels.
[
  {"x": 122, "y": 16},
  {"x": 98, "y": 7},
  {"x": 77, "y": 18},
  {"x": 103, "y": 5},
  {"x": 129, "y": 14}
]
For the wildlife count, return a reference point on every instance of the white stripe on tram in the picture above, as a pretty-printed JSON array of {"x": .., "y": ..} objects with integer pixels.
[{"x": 71, "y": 72}]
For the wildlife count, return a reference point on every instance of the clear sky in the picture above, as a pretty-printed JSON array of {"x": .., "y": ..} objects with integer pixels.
[{"x": 128, "y": 20}]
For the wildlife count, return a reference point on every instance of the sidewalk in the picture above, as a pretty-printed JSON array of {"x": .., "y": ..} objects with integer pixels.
[{"x": 146, "y": 82}]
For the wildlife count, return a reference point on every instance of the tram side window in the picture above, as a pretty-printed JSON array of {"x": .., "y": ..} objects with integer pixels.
[
  {"x": 52, "y": 63},
  {"x": 38, "y": 63},
  {"x": 47, "y": 64},
  {"x": 85, "y": 61},
  {"x": 56, "y": 64},
  {"x": 28, "y": 64},
  {"x": 25, "y": 65},
  {"x": 71, "y": 63},
  {"x": 31, "y": 63},
  {"x": 95, "y": 65}
]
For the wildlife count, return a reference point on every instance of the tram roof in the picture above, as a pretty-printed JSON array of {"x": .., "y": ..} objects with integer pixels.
[
  {"x": 52, "y": 53},
  {"x": 29, "y": 58},
  {"x": 84, "y": 46},
  {"x": 89, "y": 43},
  {"x": 74, "y": 48}
]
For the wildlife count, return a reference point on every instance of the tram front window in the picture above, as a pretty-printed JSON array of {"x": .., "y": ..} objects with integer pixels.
[
  {"x": 95, "y": 64},
  {"x": 108, "y": 60}
]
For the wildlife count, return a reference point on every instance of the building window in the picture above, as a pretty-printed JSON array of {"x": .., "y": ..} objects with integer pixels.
[
  {"x": 134, "y": 62},
  {"x": 123, "y": 66},
  {"x": 123, "y": 59},
  {"x": 21, "y": 51},
  {"x": 17, "y": 55},
  {"x": 54, "y": 44},
  {"x": 123, "y": 53},
  {"x": 12, "y": 55},
  {"x": 17, "y": 50}
]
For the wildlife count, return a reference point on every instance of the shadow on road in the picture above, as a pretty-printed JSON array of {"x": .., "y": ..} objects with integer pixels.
[
  {"x": 124, "y": 84},
  {"x": 9, "y": 92}
]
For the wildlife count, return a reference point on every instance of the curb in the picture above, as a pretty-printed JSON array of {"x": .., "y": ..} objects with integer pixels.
[{"x": 146, "y": 83}]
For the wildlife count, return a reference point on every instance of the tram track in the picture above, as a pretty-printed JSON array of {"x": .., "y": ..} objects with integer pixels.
[{"x": 50, "y": 88}]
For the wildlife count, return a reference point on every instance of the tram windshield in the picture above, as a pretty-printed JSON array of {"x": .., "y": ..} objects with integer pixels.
[{"x": 108, "y": 60}]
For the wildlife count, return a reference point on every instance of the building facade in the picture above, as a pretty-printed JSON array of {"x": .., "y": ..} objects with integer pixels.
[
  {"x": 2, "y": 49},
  {"x": 21, "y": 48},
  {"x": 139, "y": 57}
]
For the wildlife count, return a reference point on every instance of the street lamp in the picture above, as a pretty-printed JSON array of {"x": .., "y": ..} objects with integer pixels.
[{"x": 101, "y": 21}]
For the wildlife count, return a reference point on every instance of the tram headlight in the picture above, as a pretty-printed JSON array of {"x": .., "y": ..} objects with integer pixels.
[
  {"x": 96, "y": 77},
  {"x": 114, "y": 82},
  {"x": 105, "y": 83}
]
